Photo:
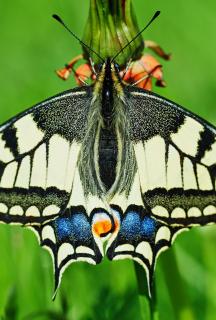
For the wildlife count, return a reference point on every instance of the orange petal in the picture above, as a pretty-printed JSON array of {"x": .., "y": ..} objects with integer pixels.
[
  {"x": 127, "y": 75},
  {"x": 157, "y": 49},
  {"x": 83, "y": 73},
  {"x": 145, "y": 84},
  {"x": 150, "y": 63},
  {"x": 64, "y": 73}
]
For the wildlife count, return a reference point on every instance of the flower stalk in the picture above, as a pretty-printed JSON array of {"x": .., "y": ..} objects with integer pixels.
[{"x": 110, "y": 26}]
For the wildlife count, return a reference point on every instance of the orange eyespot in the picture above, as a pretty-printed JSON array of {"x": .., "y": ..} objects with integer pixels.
[{"x": 102, "y": 227}]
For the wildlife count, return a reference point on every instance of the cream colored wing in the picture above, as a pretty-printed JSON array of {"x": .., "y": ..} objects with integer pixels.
[{"x": 176, "y": 160}]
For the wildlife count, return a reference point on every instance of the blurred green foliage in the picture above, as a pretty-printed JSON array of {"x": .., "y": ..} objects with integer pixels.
[{"x": 32, "y": 47}]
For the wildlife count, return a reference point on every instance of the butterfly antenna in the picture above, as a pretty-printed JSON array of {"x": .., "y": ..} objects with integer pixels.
[
  {"x": 56, "y": 17},
  {"x": 157, "y": 13}
]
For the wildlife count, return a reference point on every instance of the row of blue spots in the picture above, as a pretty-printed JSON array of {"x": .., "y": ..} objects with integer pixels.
[
  {"x": 76, "y": 228},
  {"x": 134, "y": 228}
]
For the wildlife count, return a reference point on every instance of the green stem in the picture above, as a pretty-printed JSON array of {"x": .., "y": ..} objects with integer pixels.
[
  {"x": 175, "y": 286},
  {"x": 147, "y": 305}
]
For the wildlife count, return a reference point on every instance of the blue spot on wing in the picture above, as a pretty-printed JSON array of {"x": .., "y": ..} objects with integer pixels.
[
  {"x": 63, "y": 227},
  {"x": 130, "y": 227},
  {"x": 76, "y": 228},
  {"x": 134, "y": 228},
  {"x": 148, "y": 227},
  {"x": 81, "y": 226}
]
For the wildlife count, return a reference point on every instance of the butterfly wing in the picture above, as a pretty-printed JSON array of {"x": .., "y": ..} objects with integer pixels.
[
  {"x": 40, "y": 182},
  {"x": 37, "y": 150},
  {"x": 174, "y": 181},
  {"x": 176, "y": 158},
  {"x": 69, "y": 238}
]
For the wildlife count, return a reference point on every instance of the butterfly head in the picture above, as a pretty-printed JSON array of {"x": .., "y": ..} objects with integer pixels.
[{"x": 108, "y": 67}]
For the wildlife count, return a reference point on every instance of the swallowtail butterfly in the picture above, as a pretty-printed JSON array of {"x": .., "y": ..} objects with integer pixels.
[{"x": 108, "y": 162}]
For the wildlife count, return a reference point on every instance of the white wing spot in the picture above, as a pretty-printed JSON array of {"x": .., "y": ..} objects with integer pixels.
[
  {"x": 86, "y": 259},
  {"x": 188, "y": 136},
  {"x": 5, "y": 153},
  {"x": 39, "y": 168},
  {"x": 189, "y": 175},
  {"x": 58, "y": 160},
  {"x": 163, "y": 234},
  {"x": 144, "y": 249},
  {"x": 178, "y": 213},
  {"x": 155, "y": 162},
  {"x": 32, "y": 211},
  {"x": 209, "y": 210},
  {"x": 122, "y": 256},
  {"x": 194, "y": 212},
  {"x": 51, "y": 210},
  {"x": 23, "y": 176},
  {"x": 16, "y": 211},
  {"x": 28, "y": 134},
  {"x": 204, "y": 178},
  {"x": 65, "y": 250},
  {"x": 124, "y": 247},
  {"x": 3, "y": 208},
  {"x": 160, "y": 211},
  {"x": 48, "y": 233},
  {"x": 84, "y": 250},
  {"x": 9, "y": 175},
  {"x": 174, "y": 178},
  {"x": 210, "y": 156}
]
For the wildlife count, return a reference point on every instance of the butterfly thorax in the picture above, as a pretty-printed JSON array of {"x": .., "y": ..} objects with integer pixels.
[
  {"x": 107, "y": 105},
  {"x": 108, "y": 89}
]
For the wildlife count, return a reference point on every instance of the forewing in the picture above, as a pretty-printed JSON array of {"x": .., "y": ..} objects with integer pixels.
[
  {"x": 175, "y": 152},
  {"x": 38, "y": 157}
]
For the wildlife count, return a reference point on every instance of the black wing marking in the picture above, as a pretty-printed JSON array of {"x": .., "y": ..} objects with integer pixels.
[
  {"x": 38, "y": 154},
  {"x": 175, "y": 152}
]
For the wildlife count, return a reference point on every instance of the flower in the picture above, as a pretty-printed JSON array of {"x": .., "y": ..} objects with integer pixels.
[
  {"x": 142, "y": 71},
  {"x": 114, "y": 23}
]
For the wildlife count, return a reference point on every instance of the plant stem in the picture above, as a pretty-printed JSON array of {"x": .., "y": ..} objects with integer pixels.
[
  {"x": 177, "y": 292},
  {"x": 147, "y": 305}
]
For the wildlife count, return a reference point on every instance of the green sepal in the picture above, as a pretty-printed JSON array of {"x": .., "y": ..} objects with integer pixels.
[{"x": 110, "y": 26}]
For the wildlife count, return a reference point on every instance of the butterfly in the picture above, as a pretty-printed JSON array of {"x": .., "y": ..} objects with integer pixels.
[{"x": 109, "y": 164}]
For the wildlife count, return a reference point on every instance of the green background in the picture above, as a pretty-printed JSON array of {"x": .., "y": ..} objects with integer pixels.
[{"x": 32, "y": 46}]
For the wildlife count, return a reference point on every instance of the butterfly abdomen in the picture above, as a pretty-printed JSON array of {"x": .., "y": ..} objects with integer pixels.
[{"x": 107, "y": 156}]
